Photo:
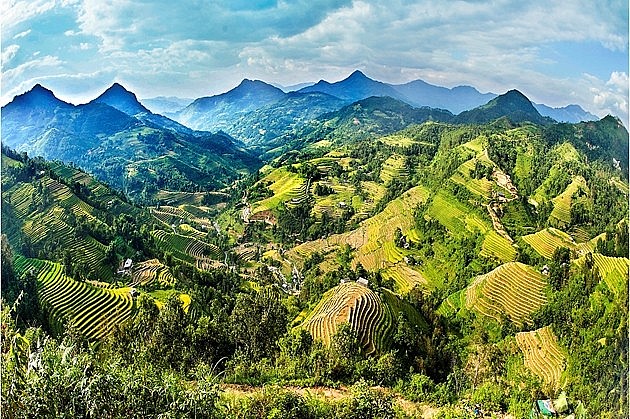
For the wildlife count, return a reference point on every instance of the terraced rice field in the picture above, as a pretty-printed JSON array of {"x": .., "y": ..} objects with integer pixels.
[
  {"x": 149, "y": 272},
  {"x": 543, "y": 355},
  {"x": 370, "y": 239},
  {"x": 393, "y": 168},
  {"x": 94, "y": 311},
  {"x": 285, "y": 185},
  {"x": 186, "y": 248},
  {"x": 562, "y": 203},
  {"x": 180, "y": 198},
  {"x": 452, "y": 304},
  {"x": 404, "y": 277},
  {"x": 497, "y": 246},
  {"x": 82, "y": 248},
  {"x": 398, "y": 140},
  {"x": 613, "y": 270},
  {"x": 331, "y": 204},
  {"x": 481, "y": 187},
  {"x": 455, "y": 216},
  {"x": 546, "y": 241},
  {"x": 513, "y": 289},
  {"x": 354, "y": 304}
]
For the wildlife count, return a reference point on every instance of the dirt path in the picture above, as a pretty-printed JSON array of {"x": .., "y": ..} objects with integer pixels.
[{"x": 496, "y": 223}]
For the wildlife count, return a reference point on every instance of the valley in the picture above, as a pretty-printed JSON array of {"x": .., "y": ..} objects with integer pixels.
[{"x": 334, "y": 236}]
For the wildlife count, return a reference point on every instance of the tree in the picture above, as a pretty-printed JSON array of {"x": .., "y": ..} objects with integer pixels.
[{"x": 257, "y": 321}]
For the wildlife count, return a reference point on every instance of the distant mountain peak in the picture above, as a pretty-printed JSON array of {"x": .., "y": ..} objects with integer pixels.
[
  {"x": 512, "y": 104},
  {"x": 357, "y": 74},
  {"x": 355, "y": 87},
  {"x": 38, "y": 96},
  {"x": 117, "y": 96}
]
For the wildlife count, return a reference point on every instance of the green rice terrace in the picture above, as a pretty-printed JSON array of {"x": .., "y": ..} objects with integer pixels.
[{"x": 93, "y": 310}]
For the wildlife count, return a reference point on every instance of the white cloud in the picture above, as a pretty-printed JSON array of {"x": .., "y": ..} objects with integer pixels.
[
  {"x": 14, "y": 75},
  {"x": 8, "y": 54},
  {"x": 22, "y": 34},
  {"x": 16, "y": 12}
]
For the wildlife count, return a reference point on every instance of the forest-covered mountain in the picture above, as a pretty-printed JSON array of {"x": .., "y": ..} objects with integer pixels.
[
  {"x": 122, "y": 143},
  {"x": 450, "y": 260}
]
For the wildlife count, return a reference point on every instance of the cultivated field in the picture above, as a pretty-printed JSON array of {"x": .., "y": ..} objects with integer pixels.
[
  {"x": 513, "y": 289},
  {"x": 93, "y": 310},
  {"x": 543, "y": 355}
]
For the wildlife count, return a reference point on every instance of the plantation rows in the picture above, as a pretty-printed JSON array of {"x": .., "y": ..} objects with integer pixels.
[
  {"x": 151, "y": 271},
  {"x": 94, "y": 311},
  {"x": 543, "y": 355},
  {"x": 513, "y": 289},
  {"x": 348, "y": 302}
]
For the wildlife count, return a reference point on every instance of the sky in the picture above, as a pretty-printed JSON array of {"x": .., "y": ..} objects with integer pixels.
[{"x": 555, "y": 52}]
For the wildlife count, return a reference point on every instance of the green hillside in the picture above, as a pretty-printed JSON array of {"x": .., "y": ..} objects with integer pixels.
[{"x": 485, "y": 262}]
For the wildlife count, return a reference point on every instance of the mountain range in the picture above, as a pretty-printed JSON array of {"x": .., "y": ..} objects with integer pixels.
[
  {"x": 229, "y": 111},
  {"x": 117, "y": 138}
]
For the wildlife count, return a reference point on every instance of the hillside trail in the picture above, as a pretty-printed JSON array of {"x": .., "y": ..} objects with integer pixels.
[{"x": 413, "y": 409}]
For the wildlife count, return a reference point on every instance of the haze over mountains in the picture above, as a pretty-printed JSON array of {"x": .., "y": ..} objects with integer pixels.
[{"x": 220, "y": 111}]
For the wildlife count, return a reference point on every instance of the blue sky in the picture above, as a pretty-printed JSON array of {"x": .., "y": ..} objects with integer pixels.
[{"x": 555, "y": 52}]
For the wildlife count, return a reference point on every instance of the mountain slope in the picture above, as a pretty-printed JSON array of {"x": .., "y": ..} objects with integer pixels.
[
  {"x": 371, "y": 116},
  {"x": 166, "y": 105},
  {"x": 512, "y": 104},
  {"x": 122, "y": 99},
  {"x": 266, "y": 124},
  {"x": 219, "y": 112}
]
